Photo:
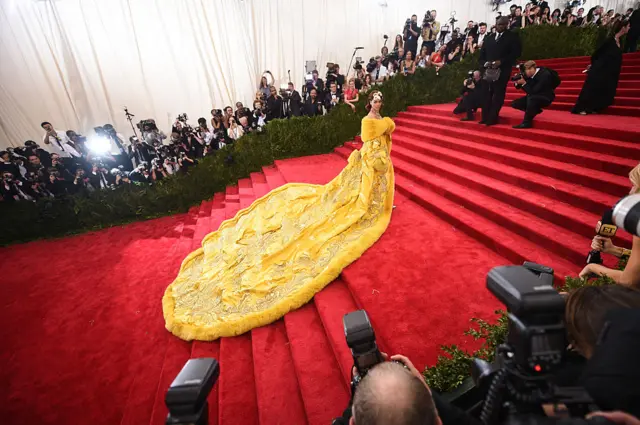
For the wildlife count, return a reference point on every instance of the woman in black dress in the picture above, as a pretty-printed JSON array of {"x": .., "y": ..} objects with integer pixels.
[{"x": 599, "y": 88}]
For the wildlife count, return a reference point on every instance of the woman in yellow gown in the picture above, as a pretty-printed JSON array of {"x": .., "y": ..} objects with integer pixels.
[{"x": 275, "y": 255}]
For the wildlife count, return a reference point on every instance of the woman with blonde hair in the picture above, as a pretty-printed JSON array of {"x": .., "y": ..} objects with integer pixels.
[
  {"x": 630, "y": 276},
  {"x": 351, "y": 95}
]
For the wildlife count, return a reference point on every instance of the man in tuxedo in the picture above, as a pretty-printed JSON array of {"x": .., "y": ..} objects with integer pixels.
[
  {"x": 539, "y": 85},
  {"x": 499, "y": 53},
  {"x": 332, "y": 98},
  {"x": 274, "y": 105},
  {"x": 295, "y": 101}
]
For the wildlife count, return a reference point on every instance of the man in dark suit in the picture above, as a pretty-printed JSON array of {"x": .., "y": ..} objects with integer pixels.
[
  {"x": 472, "y": 96},
  {"x": 295, "y": 101},
  {"x": 539, "y": 85},
  {"x": 499, "y": 52},
  {"x": 634, "y": 32},
  {"x": 332, "y": 98},
  {"x": 274, "y": 105}
]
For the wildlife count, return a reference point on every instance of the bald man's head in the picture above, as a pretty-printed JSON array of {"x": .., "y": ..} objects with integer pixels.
[
  {"x": 391, "y": 395},
  {"x": 502, "y": 23}
]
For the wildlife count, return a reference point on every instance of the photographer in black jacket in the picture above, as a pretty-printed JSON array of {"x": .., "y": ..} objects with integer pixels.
[
  {"x": 472, "y": 96},
  {"x": 410, "y": 34},
  {"x": 539, "y": 85},
  {"x": 498, "y": 55}
]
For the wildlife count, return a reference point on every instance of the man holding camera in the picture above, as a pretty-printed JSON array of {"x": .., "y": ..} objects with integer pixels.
[
  {"x": 332, "y": 98},
  {"x": 430, "y": 30},
  {"x": 294, "y": 101},
  {"x": 472, "y": 96},
  {"x": 539, "y": 85},
  {"x": 411, "y": 34},
  {"x": 498, "y": 55}
]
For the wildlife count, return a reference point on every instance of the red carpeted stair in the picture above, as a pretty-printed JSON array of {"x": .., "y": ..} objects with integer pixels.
[
  {"x": 83, "y": 338},
  {"x": 627, "y": 100}
]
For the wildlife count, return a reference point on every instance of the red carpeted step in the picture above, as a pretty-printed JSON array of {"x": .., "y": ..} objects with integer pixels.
[
  {"x": 598, "y": 180},
  {"x": 422, "y": 265},
  {"x": 147, "y": 359},
  {"x": 245, "y": 188},
  {"x": 607, "y": 163},
  {"x": 557, "y": 239},
  {"x": 573, "y": 98},
  {"x": 609, "y": 127},
  {"x": 259, "y": 183},
  {"x": 237, "y": 391},
  {"x": 203, "y": 349},
  {"x": 557, "y": 138},
  {"x": 628, "y": 111},
  {"x": 332, "y": 303},
  {"x": 575, "y": 91},
  {"x": 574, "y": 219},
  {"x": 273, "y": 176},
  {"x": 178, "y": 353},
  {"x": 232, "y": 194},
  {"x": 319, "y": 377},
  {"x": 577, "y": 69},
  {"x": 571, "y": 76},
  {"x": 277, "y": 390},
  {"x": 506, "y": 243},
  {"x": 589, "y": 199},
  {"x": 202, "y": 226}
]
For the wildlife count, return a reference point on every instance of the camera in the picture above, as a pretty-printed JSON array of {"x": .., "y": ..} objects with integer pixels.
[
  {"x": 147, "y": 123},
  {"x": 186, "y": 398},
  {"x": 371, "y": 65},
  {"x": 522, "y": 378},
  {"x": 520, "y": 74},
  {"x": 427, "y": 20},
  {"x": 469, "y": 80},
  {"x": 626, "y": 214},
  {"x": 361, "y": 340},
  {"x": 182, "y": 117}
]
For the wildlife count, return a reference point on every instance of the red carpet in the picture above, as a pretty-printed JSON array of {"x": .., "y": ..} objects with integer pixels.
[{"x": 83, "y": 338}]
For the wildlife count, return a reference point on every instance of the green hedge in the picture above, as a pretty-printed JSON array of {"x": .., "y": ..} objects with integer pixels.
[{"x": 24, "y": 221}]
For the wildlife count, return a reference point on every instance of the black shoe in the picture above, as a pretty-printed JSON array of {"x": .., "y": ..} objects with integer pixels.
[
  {"x": 523, "y": 125},
  {"x": 466, "y": 119},
  {"x": 490, "y": 123},
  {"x": 482, "y": 122}
]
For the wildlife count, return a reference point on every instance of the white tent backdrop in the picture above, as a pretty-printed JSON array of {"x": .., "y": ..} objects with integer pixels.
[{"x": 76, "y": 63}]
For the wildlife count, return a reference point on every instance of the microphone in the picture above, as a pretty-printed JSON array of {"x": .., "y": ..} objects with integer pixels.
[{"x": 604, "y": 228}]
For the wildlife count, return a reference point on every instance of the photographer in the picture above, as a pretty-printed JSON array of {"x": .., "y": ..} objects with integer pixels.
[
  {"x": 315, "y": 83},
  {"x": 234, "y": 131},
  {"x": 469, "y": 46},
  {"x": 99, "y": 177},
  {"x": 430, "y": 30},
  {"x": 58, "y": 142},
  {"x": 139, "y": 152},
  {"x": 36, "y": 168},
  {"x": 12, "y": 189},
  {"x": 241, "y": 111},
  {"x": 150, "y": 132},
  {"x": 498, "y": 55},
  {"x": 539, "y": 85},
  {"x": 204, "y": 132},
  {"x": 228, "y": 113},
  {"x": 334, "y": 76},
  {"x": 313, "y": 105},
  {"x": 411, "y": 33},
  {"x": 396, "y": 393},
  {"x": 259, "y": 117},
  {"x": 472, "y": 96},
  {"x": 81, "y": 184}
]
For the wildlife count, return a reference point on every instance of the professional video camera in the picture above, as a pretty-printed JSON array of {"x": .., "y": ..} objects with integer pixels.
[
  {"x": 626, "y": 214},
  {"x": 427, "y": 20},
  {"x": 522, "y": 378},
  {"x": 148, "y": 123},
  {"x": 407, "y": 24}
]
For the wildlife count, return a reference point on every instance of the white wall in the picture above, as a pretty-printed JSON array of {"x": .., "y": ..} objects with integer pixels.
[{"x": 76, "y": 63}]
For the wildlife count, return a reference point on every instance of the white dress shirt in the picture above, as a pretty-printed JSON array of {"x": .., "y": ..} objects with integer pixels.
[
  {"x": 481, "y": 38},
  {"x": 379, "y": 73},
  {"x": 60, "y": 145}
]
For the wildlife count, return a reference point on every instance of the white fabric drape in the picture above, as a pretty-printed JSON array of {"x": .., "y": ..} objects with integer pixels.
[{"x": 77, "y": 63}]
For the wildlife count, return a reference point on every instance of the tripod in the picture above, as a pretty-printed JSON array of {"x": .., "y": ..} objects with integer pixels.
[
  {"x": 130, "y": 119},
  {"x": 353, "y": 56}
]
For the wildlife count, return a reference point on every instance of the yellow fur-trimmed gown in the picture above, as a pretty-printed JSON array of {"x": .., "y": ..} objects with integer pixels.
[{"x": 275, "y": 255}]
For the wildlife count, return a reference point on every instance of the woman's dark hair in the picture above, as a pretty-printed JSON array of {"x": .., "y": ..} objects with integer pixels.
[
  {"x": 370, "y": 98},
  {"x": 590, "y": 14},
  {"x": 554, "y": 12},
  {"x": 617, "y": 26},
  {"x": 264, "y": 82},
  {"x": 367, "y": 76},
  {"x": 45, "y": 123},
  {"x": 396, "y": 44},
  {"x": 586, "y": 309}
]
